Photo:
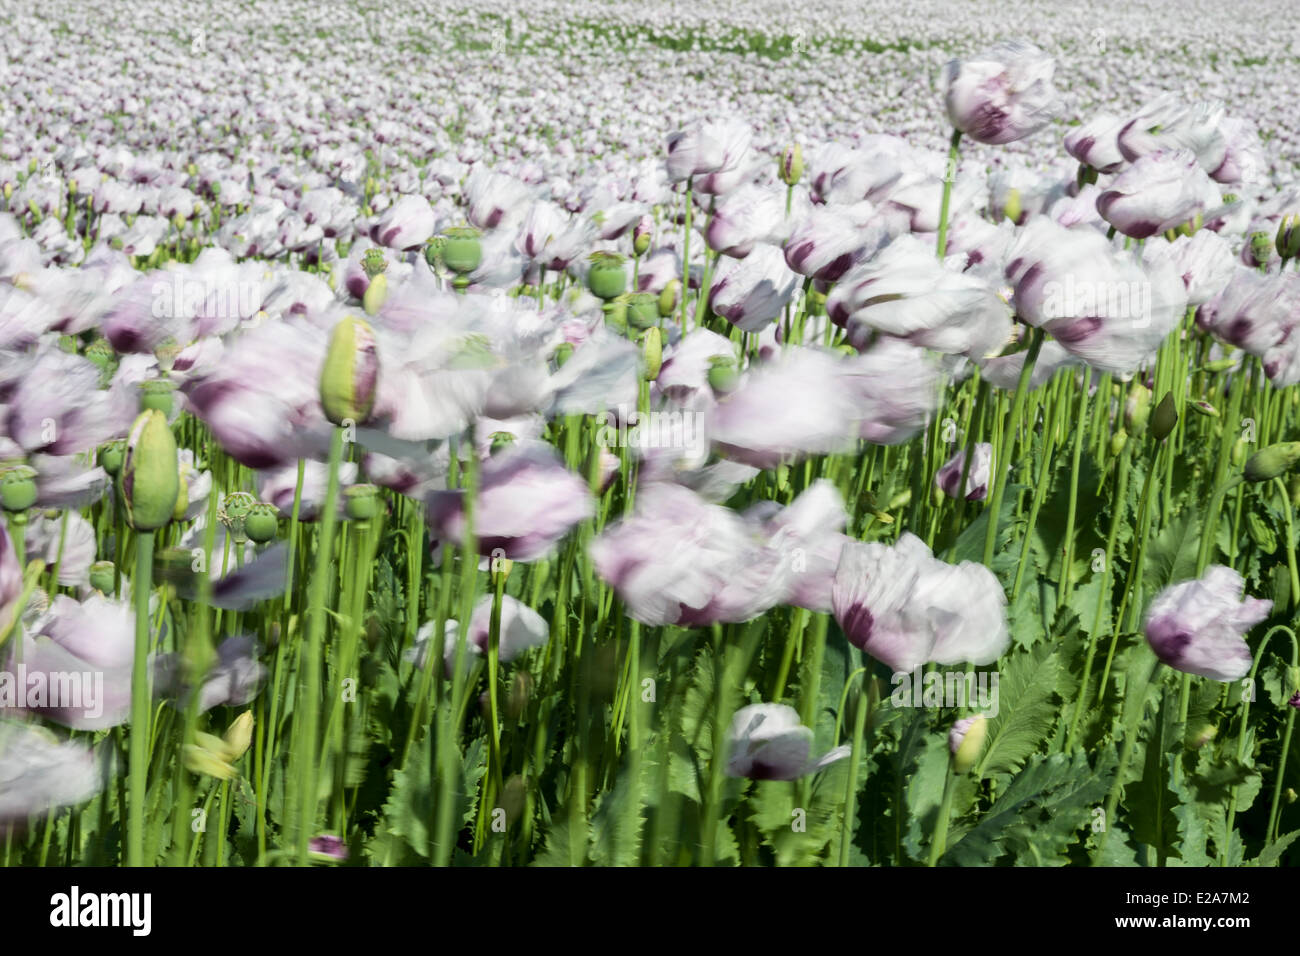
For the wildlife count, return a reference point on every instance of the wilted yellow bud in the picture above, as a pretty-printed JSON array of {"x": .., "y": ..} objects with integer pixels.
[{"x": 239, "y": 736}]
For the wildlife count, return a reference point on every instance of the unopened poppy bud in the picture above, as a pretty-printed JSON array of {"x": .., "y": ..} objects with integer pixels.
[
  {"x": 1240, "y": 448},
  {"x": 208, "y": 756},
  {"x": 1268, "y": 463},
  {"x": 18, "y": 488},
  {"x": 1219, "y": 365},
  {"x": 669, "y": 298},
  {"x": 1288, "y": 237},
  {"x": 642, "y": 310},
  {"x": 1137, "y": 408},
  {"x": 105, "y": 359},
  {"x": 1011, "y": 207},
  {"x": 376, "y": 294},
  {"x": 1204, "y": 408},
  {"x": 1202, "y": 736},
  {"x": 351, "y": 372},
  {"x": 642, "y": 235},
  {"x": 1165, "y": 418},
  {"x": 606, "y": 278},
  {"x": 262, "y": 523},
  {"x": 966, "y": 740},
  {"x": 462, "y": 249},
  {"x": 652, "y": 351},
  {"x": 182, "y": 498},
  {"x": 1085, "y": 176},
  {"x": 159, "y": 393},
  {"x": 102, "y": 576},
  {"x": 149, "y": 480},
  {"x": 791, "y": 165},
  {"x": 361, "y": 502},
  {"x": 238, "y": 736},
  {"x": 1290, "y": 795},
  {"x": 433, "y": 251},
  {"x": 1261, "y": 533},
  {"x": 1118, "y": 441},
  {"x": 521, "y": 689}
]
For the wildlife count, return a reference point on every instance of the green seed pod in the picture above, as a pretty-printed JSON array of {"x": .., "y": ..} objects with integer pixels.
[
  {"x": 234, "y": 511},
  {"x": 462, "y": 249},
  {"x": 652, "y": 351},
  {"x": 1165, "y": 418},
  {"x": 1117, "y": 442},
  {"x": 105, "y": 359},
  {"x": 361, "y": 502},
  {"x": 1137, "y": 408},
  {"x": 606, "y": 278},
  {"x": 18, "y": 489},
  {"x": 262, "y": 523},
  {"x": 350, "y": 374},
  {"x": 158, "y": 393},
  {"x": 790, "y": 166},
  {"x": 723, "y": 374},
  {"x": 150, "y": 477},
  {"x": 642, "y": 310},
  {"x": 373, "y": 262},
  {"x": 111, "y": 456},
  {"x": 102, "y": 575},
  {"x": 669, "y": 298},
  {"x": 1268, "y": 463},
  {"x": 1261, "y": 247},
  {"x": 1261, "y": 533},
  {"x": 375, "y": 295},
  {"x": 433, "y": 251}
]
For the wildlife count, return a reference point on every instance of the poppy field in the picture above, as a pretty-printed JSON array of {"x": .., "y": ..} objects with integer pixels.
[{"x": 584, "y": 434}]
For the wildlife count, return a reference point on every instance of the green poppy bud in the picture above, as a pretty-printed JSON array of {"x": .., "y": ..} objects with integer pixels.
[
  {"x": 149, "y": 480},
  {"x": 1288, "y": 237},
  {"x": 1201, "y": 735},
  {"x": 1268, "y": 463},
  {"x": 1118, "y": 441},
  {"x": 642, "y": 310},
  {"x": 361, "y": 502},
  {"x": 642, "y": 235},
  {"x": 18, "y": 488},
  {"x": 1165, "y": 418},
  {"x": 652, "y": 350},
  {"x": 1261, "y": 533},
  {"x": 158, "y": 393},
  {"x": 1013, "y": 208},
  {"x": 375, "y": 295},
  {"x": 262, "y": 522},
  {"x": 238, "y": 736},
  {"x": 966, "y": 740},
  {"x": 350, "y": 374},
  {"x": 1204, "y": 408},
  {"x": 182, "y": 497},
  {"x": 1085, "y": 176},
  {"x": 102, "y": 577},
  {"x": 1239, "y": 450},
  {"x": 1219, "y": 365},
  {"x": 1137, "y": 408},
  {"x": 606, "y": 278},
  {"x": 669, "y": 298},
  {"x": 462, "y": 249},
  {"x": 790, "y": 166}
]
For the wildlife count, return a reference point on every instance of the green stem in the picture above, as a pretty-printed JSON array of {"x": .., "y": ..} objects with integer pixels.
[{"x": 140, "y": 728}]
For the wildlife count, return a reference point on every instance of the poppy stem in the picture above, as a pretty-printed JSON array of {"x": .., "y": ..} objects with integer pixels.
[
  {"x": 140, "y": 727},
  {"x": 949, "y": 177},
  {"x": 1000, "y": 470}
]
